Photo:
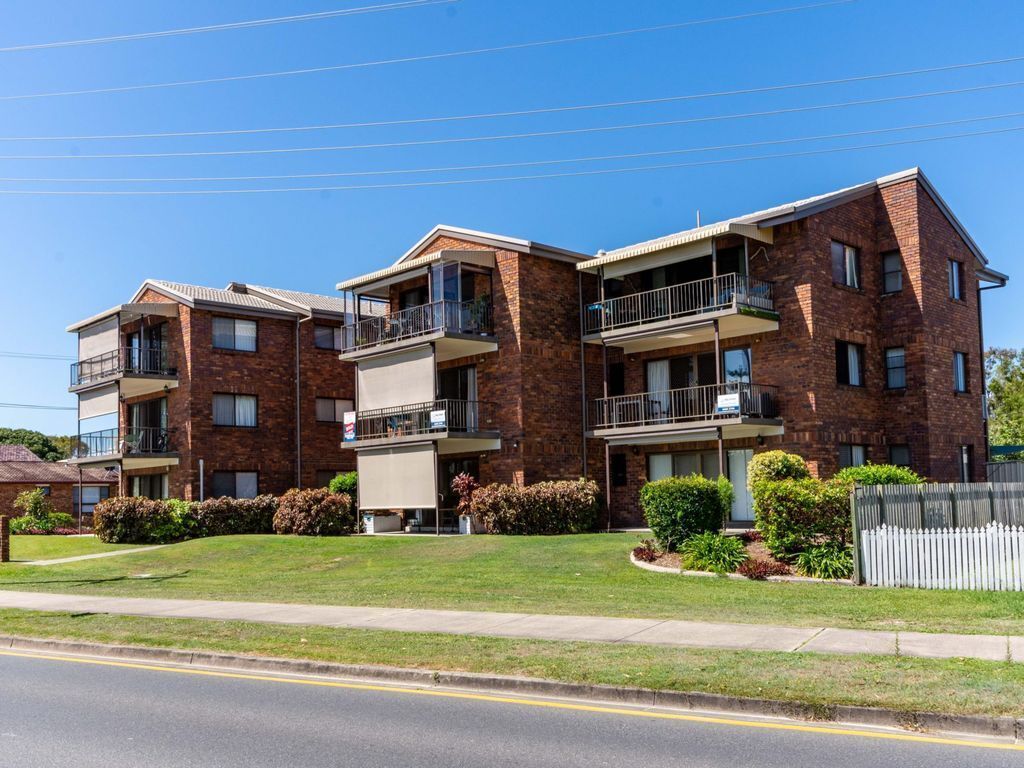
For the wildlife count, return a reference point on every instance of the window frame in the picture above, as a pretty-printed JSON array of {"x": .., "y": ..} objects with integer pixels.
[
  {"x": 889, "y": 369},
  {"x": 234, "y": 334},
  {"x": 886, "y": 272},
  {"x": 850, "y": 448},
  {"x": 335, "y": 337},
  {"x": 77, "y": 505},
  {"x": 339, "y": 416},
  {"x": 955, "y": 279},
  {"x": 903, "y": 447},
  {"x": 961, "y": 380},
  {"x": 843, "y": 363},
  {"x": 234, "y": 473},
  {"x": 846, "y": 251},
  {"x": 234, "y": 411}
]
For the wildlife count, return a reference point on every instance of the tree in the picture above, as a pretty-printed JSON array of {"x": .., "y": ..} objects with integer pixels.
[
  {"x": 1004, "y": 372},
  {"x": 41, "y": 445}
]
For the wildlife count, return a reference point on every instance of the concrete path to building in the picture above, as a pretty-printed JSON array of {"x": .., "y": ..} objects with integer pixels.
[
  {"x": 93, "y": 556},
  {"x": 695, "y": 634}
]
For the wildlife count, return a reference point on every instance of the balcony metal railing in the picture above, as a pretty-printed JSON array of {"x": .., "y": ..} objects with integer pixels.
[
  {"x": 154, "y": 360},
  {"x": 690, "y": 404},
  {"x": 473, "y": 317},
  {"x": 423, "y": 419},
  {"x": 108, "y": 442},
  {"x": 708, "y": 295}
]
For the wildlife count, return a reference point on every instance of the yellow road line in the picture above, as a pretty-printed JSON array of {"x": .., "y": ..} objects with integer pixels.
[{"x": 562, "y": 705}]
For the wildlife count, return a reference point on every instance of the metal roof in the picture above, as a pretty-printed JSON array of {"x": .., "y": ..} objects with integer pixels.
[
  {"x": 311, "y": 302},
  {"x": 680, "y": 238},
  {"x": 200, "y": 293}
]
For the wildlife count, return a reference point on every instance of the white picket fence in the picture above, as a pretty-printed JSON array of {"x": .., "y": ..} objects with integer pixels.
[{"x": 989, "y": 558}]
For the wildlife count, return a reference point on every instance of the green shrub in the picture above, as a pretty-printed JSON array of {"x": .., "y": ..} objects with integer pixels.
[
  {"x": 676, "y": 508},
  {"x": 34, "y": 504},
  {"x": 776, "y": 465},
  {"x": 346, "y": 482},
  {"x": 227, "y": 516},
  {"x": 314, "y": 512},
  {"x": 556, "y": 507},
  {"x": 879, "y": 474},
  {"x": 794, "y": 514},
  {"x": 713, "y": 552},
  {"x": 830, "y": 560},
  {"x": 136, "y": 520}
]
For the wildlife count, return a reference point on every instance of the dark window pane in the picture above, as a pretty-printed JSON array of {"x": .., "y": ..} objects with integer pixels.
[
  {"x": 899, "y": 455},
  {"x": 223, "y": 484},
  {"x": 618, "y": 469},
  {"x": 892, "y": 272},
  {"x": 616, "y": 379},
  {"x": 838, "y": 263},
  {"x": 895, "y": 368}
]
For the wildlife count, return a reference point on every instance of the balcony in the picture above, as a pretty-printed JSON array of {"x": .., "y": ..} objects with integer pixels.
[
  {"x": 134, "y": 448},
  {"x": 457, "y": 425},
  {"x": 457, "y": 329},
  {"x": 683, "y": 314},
  {"x": 696, "y": 413},
  {"x": 142, "y": 371}
]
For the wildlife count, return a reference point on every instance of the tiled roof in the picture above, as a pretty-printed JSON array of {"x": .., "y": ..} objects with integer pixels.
[
  {"x": 311, "y": 301},
  {"x": 17, "y": 453},
  {"x": 217, "y": 295},
  {"x": 50, "y": 472}
]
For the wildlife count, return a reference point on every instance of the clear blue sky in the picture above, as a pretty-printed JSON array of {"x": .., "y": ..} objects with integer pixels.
[{"x": 64, "y": 258}]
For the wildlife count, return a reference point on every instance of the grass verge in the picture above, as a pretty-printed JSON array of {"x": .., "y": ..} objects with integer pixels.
[
  {"x": 955, "y": 686},
  {"x": 51, "y": 547}
]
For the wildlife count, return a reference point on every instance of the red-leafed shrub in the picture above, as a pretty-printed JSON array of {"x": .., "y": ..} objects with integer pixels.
[
  {"x": 226, "y": 516},
  {"x": 135, "y": 520},
  {"x": 314, "y": 512},
  {"x": 751, "y": 537},
  {"x": 646, "y": 551},
  {"x": 563, "y": 506},
  {"x": 759, "y": 570}
]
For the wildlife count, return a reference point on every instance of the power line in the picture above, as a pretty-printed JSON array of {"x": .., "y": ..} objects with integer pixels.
[
  {"x": 507, "y": 136},
  {"x": 39, "y": 407},
  {"x": 572, "y": 108},
  {"x": 459, "y": 182},
  {"x": 427, "y": 57},
  {"x": 34, "y": 356},
  {"x": 533, "y": 163},
  {"x": 231, "y": 25}
]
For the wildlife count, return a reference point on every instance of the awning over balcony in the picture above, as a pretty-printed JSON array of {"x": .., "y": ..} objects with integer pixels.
[
  {"x": 377, "y": 283},
  {"x": 126, "y": 313}
]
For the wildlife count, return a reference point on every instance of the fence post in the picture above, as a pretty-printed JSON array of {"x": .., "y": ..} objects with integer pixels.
[
  {"x": 857, "y": 557},
  {"x": 991, "y": 504},
  {"x": 5, "y": 539},
  {"x": 953, "y": 506},
  {"x": 923, "y": 505}
]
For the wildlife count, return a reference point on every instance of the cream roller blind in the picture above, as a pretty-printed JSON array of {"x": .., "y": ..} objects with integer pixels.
[
  {"x": 401, "y": 378},
  {"x": 397, "y": 478},
  {"x": 97, "y": 402},
  {"x": 98, "y": 338}
]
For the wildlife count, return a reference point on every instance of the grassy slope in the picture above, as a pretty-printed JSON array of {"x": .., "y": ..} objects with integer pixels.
[
  {"x": 570, "y": 574},
  {"x": 953, "y": 686},
  {"x": 51, "y": 547}
]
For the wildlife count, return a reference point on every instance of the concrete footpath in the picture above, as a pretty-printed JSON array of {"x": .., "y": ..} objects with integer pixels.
[{"x": 696, "y": 634}]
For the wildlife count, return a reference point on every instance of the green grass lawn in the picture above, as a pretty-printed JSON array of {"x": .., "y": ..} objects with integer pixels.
[
  {"x": 588, "y": 574},
  {"x": 952, "y": 686},
  {"x": 52, "y": 547}
]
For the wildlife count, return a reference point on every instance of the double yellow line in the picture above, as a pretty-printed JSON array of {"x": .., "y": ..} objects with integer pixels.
[{"x": 541, "y": 703}]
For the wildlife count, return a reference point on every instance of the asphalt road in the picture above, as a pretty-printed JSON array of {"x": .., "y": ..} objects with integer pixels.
[{"x": 71, "y": 714}]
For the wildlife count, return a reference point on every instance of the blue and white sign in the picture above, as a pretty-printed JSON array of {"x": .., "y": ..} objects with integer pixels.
[
  {"x": 438, "y": 419},
  {"x": 728, "y": 405}
]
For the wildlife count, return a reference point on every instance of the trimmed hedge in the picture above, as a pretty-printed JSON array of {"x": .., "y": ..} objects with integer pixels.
[
  {"x": 136, "y": 520},
  {"x": 314, "y": 512},
  {"x": 226, "y": 516},
  {"x": 562, "y": 506},
  {"x": 776, "y": 465},
  {"x": 879, "y": 474},
  {"x": 792, "y": 515},
  {"x": 677, "y": 508}
]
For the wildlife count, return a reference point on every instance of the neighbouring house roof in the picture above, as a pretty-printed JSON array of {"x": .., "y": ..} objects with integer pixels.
[
  {"x": 199, "y": 295},
  {"x": 17, "y": 453},
  {"x": 309, "y": 303},
  {"x": 762, "y": 221},
  {"x": 47, "y": 472},
  {"x": 411, "y": 259}
]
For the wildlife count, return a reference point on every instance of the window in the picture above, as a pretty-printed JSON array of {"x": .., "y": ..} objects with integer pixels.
[
  {"x": 234, "y": 410},
  {"x": 331, "y": 409},
  {"x": 895, "y": 368},
  {"x": 91, "y": 496},
  {"x": 229, "y": 333},
  {"x": 324, "y": 477},
  {"x": 150, "y": 486},
  {"x": 892, "y": 272},
  {"x": 618, "y": 469},
  {"x": 616, "y": 379},
  {"x": 852, "y": 456},
  {"x": 237, "y": 485},
  {"x": 44, "y": 488},
  {"x": 327, "y": 337},
  {"x": 662, "y": 465},
  {"x": 736, "y": 365},
  {"x": 899, "y": 455},
  {"x": 955, "y": 272},
  {"x": 966, "y": 463},
  {"x": 850, "y": 363},
  {"x": 845, "y": 265},
  {"x": 959, "y": 372}
]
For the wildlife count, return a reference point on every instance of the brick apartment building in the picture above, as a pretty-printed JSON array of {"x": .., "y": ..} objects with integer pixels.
[
  {"x": 467, "y": 360},
  {"x": 845, "y": 327},
  {"x": 193, "y": 392}
]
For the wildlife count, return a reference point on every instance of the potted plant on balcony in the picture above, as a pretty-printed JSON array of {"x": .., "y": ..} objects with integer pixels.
[{"x": 464, "y": 485}]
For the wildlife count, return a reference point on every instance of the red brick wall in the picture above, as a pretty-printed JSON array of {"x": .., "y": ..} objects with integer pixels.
[{"x": 60, "y": 495}]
